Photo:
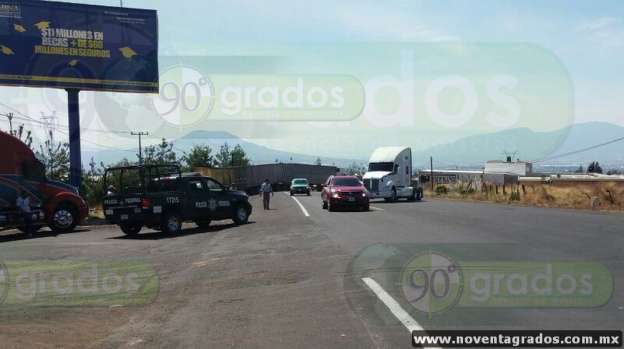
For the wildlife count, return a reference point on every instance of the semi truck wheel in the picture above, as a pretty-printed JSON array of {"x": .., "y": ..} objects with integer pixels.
[
  {"x": 64, "y": 219},
  {"x": 413, "y": 196},
  {"x": 131, "y": 229},
  {"x": 419, "y": 194},
  {"x": 394, "y": 195}
]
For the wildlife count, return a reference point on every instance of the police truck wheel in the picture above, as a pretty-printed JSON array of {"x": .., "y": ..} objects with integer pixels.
[
  {"x": 172, "y": 223},
  {"x": 64, "y": 219},
  {"x": 241, "y": 215},
  {"x": 131, "y": 229}
]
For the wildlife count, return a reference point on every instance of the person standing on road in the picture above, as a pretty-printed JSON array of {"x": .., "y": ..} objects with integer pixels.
[
  {"x": 267, "y": 192},
  {"x": 23, "y": 205}
]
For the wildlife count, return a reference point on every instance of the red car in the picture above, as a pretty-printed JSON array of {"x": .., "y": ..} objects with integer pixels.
[{"x": 344, "y": 191}]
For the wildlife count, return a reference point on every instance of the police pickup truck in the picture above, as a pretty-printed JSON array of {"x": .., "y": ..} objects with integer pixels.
[{"x": 161, "y": 197}]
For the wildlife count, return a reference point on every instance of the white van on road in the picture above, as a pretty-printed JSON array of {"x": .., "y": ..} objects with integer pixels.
[{"x": 389, "y": 175}]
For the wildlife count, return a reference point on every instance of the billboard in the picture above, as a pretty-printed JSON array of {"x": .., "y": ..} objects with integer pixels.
[{"x": 65, "y": 45}]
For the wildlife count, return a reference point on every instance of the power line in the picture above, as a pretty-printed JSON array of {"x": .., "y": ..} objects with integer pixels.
[
  {"x": 66, "y": 133},
  {"x": 59, "y": 127}
]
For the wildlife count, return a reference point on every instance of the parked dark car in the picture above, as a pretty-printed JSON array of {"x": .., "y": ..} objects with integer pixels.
[{"x": 344, "y": 191}]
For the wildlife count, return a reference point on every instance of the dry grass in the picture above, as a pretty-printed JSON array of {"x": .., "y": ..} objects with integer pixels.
[{"x": 607, "y": 196}]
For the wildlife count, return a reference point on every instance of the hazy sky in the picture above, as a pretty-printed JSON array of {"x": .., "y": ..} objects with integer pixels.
[{"x": 585, "y": 37}]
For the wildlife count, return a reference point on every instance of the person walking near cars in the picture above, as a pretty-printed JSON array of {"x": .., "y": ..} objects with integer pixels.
[
  {"x": 23, "y": 205},
  {"x": 267, "y": 192}
]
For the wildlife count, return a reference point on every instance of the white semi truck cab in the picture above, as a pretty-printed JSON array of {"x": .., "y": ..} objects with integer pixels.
[{"x": 389, "y": 175}]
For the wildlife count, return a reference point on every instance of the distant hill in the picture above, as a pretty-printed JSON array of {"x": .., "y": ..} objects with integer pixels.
[
  {"x": 470, "y": 151},
  {"x": 530, "y": 145}
]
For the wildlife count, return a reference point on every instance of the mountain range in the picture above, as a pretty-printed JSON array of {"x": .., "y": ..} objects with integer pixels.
[{"x": 521, "y": 143}]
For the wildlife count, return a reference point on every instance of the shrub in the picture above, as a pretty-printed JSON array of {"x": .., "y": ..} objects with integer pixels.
[
  {"x": 515, "y": 196},
  {"x": 441, "y": 190}
]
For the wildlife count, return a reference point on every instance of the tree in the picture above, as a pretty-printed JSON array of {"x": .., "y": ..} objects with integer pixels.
[
  {"x": 355, "y": 169},
  {"x": 26, "y": 137},
  {"x": 594, "y": 167},
  {"x": 318, "y": 162},
  {"x": 159, "y": 154},
  {"x": 238, "y": 156},
  {"x": 200, "y": 155},
  {"x": 92, "y": 184},
  {"x": 55, "y": 157},
  {"x": 224, "y": 156},
  {"x": 580, "y": 169}
]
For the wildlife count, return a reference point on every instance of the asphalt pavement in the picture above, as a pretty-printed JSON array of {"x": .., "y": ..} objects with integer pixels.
[{"x": 299, "y": 276}]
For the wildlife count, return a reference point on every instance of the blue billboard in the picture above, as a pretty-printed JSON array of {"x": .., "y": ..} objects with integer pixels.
[{"x": 86, "y": 47}]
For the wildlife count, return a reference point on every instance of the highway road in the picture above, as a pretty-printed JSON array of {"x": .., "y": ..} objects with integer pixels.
[{"x": 299, "y": 276}]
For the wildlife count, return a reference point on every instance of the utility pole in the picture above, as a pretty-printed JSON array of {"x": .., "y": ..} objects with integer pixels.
[
  {"x": 49, "y": 121},
  {"x": 431, "y": 174},
  {"x": 10, "y": 117},
  {"x": 140, "y": 134}
]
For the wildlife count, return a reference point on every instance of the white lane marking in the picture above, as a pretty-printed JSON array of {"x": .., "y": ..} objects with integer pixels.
[
  {"x": 376, "y": 208},
  {"x": 303, "y": 209},
  {"x": 394, "y": 307}
]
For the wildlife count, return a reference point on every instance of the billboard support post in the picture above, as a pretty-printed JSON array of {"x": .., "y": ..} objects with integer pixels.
[{"x": 73, "y": 112}]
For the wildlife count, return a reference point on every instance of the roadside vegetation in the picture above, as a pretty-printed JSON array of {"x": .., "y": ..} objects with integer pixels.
[{"x": 607, "y": 196}]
